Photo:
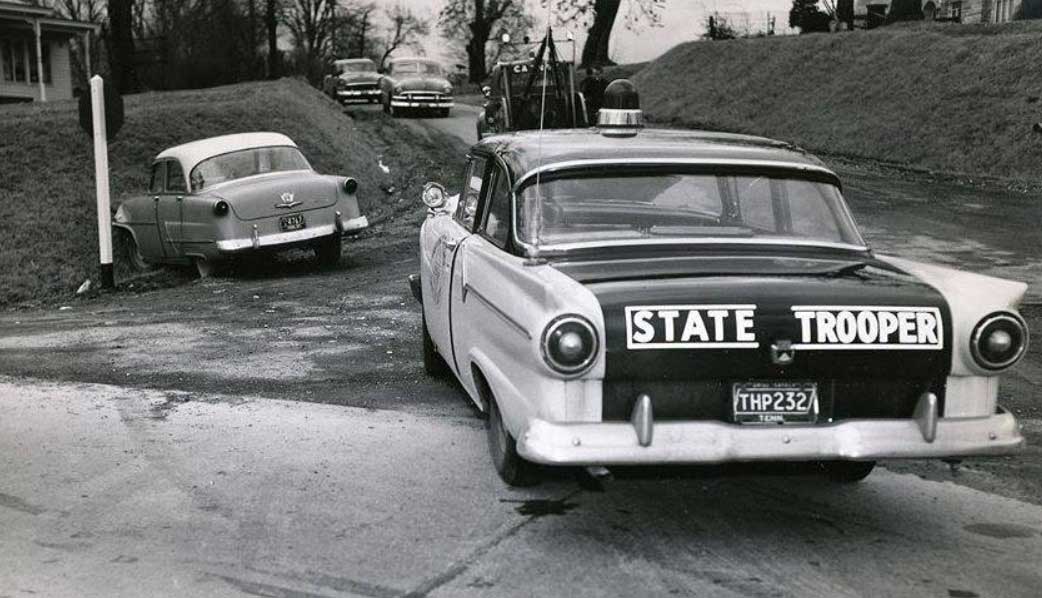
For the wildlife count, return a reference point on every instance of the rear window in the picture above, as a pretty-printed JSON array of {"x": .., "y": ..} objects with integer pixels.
[
  {"x": 609, "y": 205},
  {"x": 245, "y": 163}
]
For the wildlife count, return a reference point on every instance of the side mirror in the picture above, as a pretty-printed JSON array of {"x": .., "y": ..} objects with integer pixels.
[
  {"x": 486, "y": 91},
  {"x": 433, "y": 196}
]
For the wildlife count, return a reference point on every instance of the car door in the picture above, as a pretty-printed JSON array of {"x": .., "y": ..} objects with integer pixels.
[
  {"x": 169, "y": 208},
  {"x": 443, "y": 237},
  {"x": 149, "y": 237},
  {"x": 485, "y": 316}
]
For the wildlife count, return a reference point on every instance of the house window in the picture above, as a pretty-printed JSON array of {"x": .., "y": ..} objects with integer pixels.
[
  {"x": 18, "y": 57},
  {"x": 957, "y": 12},
  {"x": 45, "y": 48}
]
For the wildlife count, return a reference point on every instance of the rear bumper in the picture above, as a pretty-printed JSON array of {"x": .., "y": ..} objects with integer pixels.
[
  {"x": 716, "y": 442},
  {"x": 258, "y": 241}
]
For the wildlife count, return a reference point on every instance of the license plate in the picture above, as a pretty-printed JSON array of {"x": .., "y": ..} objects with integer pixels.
[
  {"x": 293, "y": 222},
  {"x": 775, "y": 402}
]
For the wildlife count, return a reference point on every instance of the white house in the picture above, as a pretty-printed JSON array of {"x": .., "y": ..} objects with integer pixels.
[
  {"x": 962, "y": 11},
  {"x": 35, "y": 57}
]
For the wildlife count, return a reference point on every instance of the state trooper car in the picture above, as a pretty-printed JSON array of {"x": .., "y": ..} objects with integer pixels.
[{"x": 619, "y": 295}]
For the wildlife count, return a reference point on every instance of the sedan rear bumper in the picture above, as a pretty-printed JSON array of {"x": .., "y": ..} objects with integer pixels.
[
  {"x": 258, "y": 241},
  {"x": 717, "y": 442}
]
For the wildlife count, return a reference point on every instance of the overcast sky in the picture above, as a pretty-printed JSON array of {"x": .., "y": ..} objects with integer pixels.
[{"x": 682, "y": 20}]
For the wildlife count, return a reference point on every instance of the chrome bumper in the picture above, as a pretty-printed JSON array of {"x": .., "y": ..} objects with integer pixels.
[
  {"x": 406, "y": 102},
  {"x": 716, "y": 442},
  {"x": 258, "y": 241},
  {"x": 355, "y": 94},
  {"x": 352, "y": 225}
]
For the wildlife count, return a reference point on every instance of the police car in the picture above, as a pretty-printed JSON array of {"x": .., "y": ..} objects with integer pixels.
[{"x": 621, "y": 295}]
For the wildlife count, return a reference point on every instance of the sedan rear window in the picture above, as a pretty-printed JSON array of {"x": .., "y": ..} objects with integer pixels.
[
  {"x": 606, "y": 207},
  {"x": 244, "y": 163}
]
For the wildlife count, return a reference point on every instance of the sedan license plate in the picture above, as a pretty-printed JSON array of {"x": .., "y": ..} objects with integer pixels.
[
  {"x": 292, "y": 222},
  {"x": 775, "y": 402}
]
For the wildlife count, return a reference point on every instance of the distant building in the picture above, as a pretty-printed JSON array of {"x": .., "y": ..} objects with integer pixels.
[
  {"x": 872, "y": 12},
  {"x": 35, "y": 45}
]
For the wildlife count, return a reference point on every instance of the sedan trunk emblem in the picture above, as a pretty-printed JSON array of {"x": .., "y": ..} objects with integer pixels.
[
  {"x": 287, "y": 201},
  {"x": 782, "y": 353}
]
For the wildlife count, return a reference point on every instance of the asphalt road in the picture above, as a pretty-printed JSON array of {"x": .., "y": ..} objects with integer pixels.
[
  {"x": 116, "y": 492},
  {"x": 271, "y": 433}
]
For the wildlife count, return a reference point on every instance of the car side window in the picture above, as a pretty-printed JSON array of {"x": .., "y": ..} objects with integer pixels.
[
  {"x": 497, "y": 219},
  {"x": 158, "y": 175},
  {"x": 473, "y": 182},
  {"x": 175, "y": 177}
]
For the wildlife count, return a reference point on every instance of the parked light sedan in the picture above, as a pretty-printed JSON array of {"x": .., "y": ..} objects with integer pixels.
[
  {"x": 235, "y": 194},
  {"x": 415, "y": 84},
  {"x": 624, "y": 296}
]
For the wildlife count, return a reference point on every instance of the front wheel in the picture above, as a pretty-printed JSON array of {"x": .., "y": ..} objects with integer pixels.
[
  {"x": 847, "y": 472},
  {"x": 132, "y": 253},
  {"x": 510, "y": 466},
  {"x": 328, "y": 251}
]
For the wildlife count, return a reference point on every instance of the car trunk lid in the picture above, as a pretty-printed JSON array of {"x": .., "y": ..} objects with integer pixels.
[{"x": 270, "y": 195}]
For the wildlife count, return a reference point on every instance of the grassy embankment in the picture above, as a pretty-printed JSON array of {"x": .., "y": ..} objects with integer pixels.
[
  {"x": 958, "y": 99},
  {"x": 48, "y": 222}
]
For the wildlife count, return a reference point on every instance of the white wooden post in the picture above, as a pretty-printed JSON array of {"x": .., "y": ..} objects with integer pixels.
[
  {"x": 39, "y": 61},
  {"x": 101, "y": 179}
]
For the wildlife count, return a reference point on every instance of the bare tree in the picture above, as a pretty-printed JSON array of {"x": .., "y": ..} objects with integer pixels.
[
  {"x": 121, "y": 44},
  {"x": 475, "y": 21},
  {"x": 272, "y": 14},
  {"x": 311, "y": 23},
  {"x": 404, "y": 30},
  {"x": 600, "y": 15}
]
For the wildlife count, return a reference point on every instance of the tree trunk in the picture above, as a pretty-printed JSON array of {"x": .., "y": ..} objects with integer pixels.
[
  {"x": 121, "y": 22},
  {"x": 476, "y": 52},
  {"x": 271, "y": 23},
  {"x": 595, "y": 50}
]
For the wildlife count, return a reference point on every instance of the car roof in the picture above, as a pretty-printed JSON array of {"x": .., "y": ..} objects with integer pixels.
[
  {"x": 525, "y": 152},
  {"x": 352, "y": 61},
  {"x": 194, "y": 152}
]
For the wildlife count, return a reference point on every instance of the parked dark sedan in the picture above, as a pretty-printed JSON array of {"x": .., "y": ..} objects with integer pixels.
[
  {"x": 356, "y": 80},
  {"x": 415, "y": 84}
]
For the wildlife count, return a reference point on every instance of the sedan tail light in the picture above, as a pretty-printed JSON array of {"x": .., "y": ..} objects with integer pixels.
[
  {"x": 999, "y": 340},
  {"x": 569, "y": 344},
  {"x": 220, "y": 208}
]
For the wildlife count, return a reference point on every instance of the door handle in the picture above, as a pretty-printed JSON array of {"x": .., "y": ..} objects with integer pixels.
[
  {"x": 155, "y": 198},
  {"x": 452, "y": 245},
  {"x": 179, "y": 198}
]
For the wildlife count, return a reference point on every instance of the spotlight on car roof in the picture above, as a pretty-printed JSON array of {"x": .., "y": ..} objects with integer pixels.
[{"x": 620, "y": 115}]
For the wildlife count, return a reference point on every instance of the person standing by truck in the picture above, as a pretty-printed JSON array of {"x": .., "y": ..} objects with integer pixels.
[{"x": 592, "y": 88}]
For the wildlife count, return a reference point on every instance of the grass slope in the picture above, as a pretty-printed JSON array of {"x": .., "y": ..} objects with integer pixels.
[
  {"x": 48, "y": 221},
  {"x": 951, "y": 98}
]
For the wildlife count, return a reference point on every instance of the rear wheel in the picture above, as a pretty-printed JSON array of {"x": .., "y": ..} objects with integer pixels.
[
  {"x": 328, "y": 251},
  {"x": 205, "y": 268},
  {"x": 512, "y": 469},
  {"x": 433, "y": 363},
  {"x": 847, "y": 472}
]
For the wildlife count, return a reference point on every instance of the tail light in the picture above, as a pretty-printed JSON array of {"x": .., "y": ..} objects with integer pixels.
[
  {"x": 999, "y": 340},
  {"x": 220, "y": 208},
  {"x": 350, "y": 186},
  {"x": 569, "y": 344}
]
